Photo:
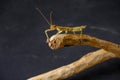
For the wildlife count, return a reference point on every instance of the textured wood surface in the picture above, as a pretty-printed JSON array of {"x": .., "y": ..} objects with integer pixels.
[{"x": 61, "y": 40}]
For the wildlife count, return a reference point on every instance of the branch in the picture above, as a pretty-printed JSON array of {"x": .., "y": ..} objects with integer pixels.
[
  {"x": 110, "y": 50},
  {"x": 61, "y": 40},
  {"x": 85, "y": 62}
]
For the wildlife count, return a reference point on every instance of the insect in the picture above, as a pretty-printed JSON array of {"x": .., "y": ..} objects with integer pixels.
[{"x": 61, "y": 29}]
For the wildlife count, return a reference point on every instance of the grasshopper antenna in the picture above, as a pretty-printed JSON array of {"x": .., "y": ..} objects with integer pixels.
[
  {"x": 43, "y": 15},
  {"x": 51, "y": 17}
]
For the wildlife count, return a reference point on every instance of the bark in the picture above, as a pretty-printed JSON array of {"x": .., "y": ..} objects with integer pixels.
[
  {"x": 84, "y": 63},
  {"x": 62, "y": 40}
]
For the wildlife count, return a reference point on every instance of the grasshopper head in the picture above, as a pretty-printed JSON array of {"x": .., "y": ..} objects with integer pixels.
[{"x": 53, "y": 27}]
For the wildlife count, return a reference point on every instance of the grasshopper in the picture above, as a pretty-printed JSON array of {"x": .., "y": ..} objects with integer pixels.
[{"x": 60, "y": 29}]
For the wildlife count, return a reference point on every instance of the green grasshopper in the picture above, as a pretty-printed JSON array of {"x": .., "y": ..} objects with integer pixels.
[{"x": 60, "y": 29}]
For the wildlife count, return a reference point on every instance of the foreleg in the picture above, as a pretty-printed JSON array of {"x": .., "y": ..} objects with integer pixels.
[{"x": 46, "y": 32}]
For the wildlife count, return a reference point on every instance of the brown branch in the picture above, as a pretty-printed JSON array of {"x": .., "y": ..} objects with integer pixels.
[
  {"x": 87, "y": 61},
  {"x": 61, "y": 40}
]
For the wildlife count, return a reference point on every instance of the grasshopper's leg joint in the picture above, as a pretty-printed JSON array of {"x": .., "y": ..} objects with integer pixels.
[{"x": 46, "y": 34}]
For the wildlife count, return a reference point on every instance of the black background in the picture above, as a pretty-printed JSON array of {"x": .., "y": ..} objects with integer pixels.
[{"x": 23, "y": 49}]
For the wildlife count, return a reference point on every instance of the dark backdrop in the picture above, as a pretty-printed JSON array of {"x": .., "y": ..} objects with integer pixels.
[{"x": 23, "y": 49}]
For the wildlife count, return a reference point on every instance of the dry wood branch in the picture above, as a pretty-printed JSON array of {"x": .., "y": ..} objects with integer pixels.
[
  {"x": 61, "y": 40},
  {"x": 110, "y": 50},
  {"x": 85, "y": 62}
]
